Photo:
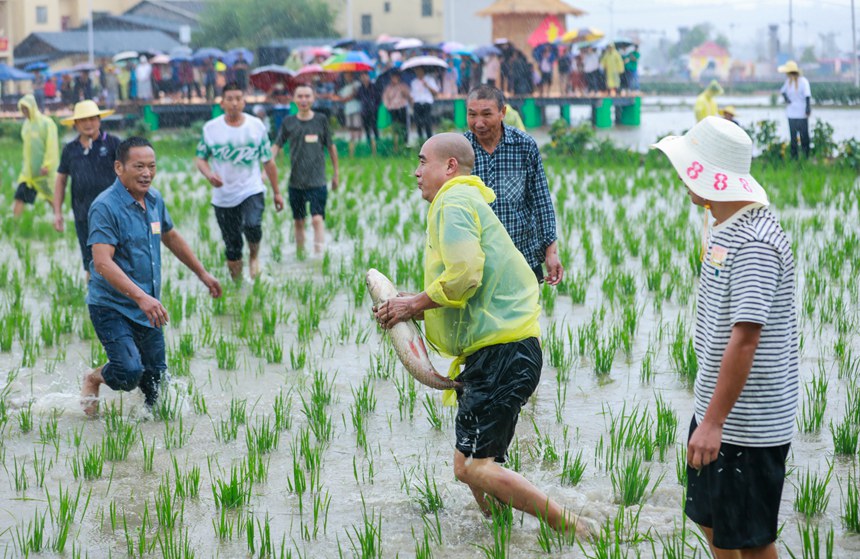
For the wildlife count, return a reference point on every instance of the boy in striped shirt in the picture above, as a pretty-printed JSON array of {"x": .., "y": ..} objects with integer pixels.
[{"x": 746, "y": 344}]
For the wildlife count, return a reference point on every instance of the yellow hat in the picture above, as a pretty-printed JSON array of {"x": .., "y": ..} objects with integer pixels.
[
  {"x": 730, "y": 110},
  {"x": 85, "y": 109},
  {"x": 789, "y": 67}
]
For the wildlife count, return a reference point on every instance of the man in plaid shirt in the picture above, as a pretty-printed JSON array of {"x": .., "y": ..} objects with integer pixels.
[{"x": 508, "y": 161}]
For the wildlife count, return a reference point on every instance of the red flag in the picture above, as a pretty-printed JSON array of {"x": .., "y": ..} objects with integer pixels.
[{"x": 549, "y": 31}]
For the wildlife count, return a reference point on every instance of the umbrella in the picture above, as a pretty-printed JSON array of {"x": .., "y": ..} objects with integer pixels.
[
  {"x": 233, "y": 54},
  {"x": 537, "y": 53},
  {"x": 352, "y": 61},
  {"x": 382, "y": 80},
  {"x": 33, "y": 66},
  {"x": 387, "y": 39},
  {"x": 622, "y": 42},
  {"x": 314, "y": 52},
  {"x": 126, "y": 55},
  {"x": 410, "y": 43},
  {"x": 424, "y": 61},
  {"x": 311, "y": 71},
  {"x": 181, "y": 52},
  {"x": 486, "y": 50},
  {"x": 265, "y": 77},
  {"x": 160, "y": 59},
  {"x": 12, "y": 73},
  {"x": 202, "y": 54},
  {"x": 582, "y": 34}
]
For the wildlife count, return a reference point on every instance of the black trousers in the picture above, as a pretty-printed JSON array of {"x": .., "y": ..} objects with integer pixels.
[
  {"x": 424, "y": 120},
  {"x": 798, "y": 133}
]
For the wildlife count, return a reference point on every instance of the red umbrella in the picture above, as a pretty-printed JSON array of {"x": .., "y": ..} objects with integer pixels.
[
  {"x": 266, "y": 77},
  {"x": 311, "y": 71}
]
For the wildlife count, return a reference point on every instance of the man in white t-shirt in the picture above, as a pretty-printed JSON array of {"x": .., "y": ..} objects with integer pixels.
[
  {"x": 424, "y": 89},
  {"x": 746, "y": 343},
  {"x": 229, "y": 156}
]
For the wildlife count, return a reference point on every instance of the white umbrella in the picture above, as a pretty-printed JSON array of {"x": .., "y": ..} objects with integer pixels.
[
  {"x": 410, "y": 43},
  {"x": 160, "y": 59},
  {"x": 126, "y": 55},
  {"x": 419, "y": 61}
]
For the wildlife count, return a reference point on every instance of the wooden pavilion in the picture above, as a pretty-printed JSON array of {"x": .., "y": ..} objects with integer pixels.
[{"x": 515, "y": 20}]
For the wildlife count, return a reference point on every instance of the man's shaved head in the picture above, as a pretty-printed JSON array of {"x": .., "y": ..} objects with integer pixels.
[{"x": 454, "y": 145}]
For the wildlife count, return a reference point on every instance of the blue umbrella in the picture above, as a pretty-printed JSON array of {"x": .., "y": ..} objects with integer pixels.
[
  {"x": 204, "y": 53},
  {"x": 33, "y": 66},
  {"x": 232, "y": 55},
  {"x": 486, "y": 50},
  {"x": 11, "y": 73},
  {"x": 537, "y": 53}
]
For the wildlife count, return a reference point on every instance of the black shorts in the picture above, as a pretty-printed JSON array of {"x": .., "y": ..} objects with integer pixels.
[
  {"x": 25, "y": 194},
  {"x": 738, "y": 495},
  {"x": 497, "y": 382},
  {"x": 245, "y": 218},
  {"x": 301, "y": 197}
]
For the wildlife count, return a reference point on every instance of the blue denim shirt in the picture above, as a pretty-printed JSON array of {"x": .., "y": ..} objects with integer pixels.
[{"x": 117, "y": 219}]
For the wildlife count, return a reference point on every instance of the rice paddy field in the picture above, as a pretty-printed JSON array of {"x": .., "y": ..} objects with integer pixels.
[{"x": 289, "y": 428}]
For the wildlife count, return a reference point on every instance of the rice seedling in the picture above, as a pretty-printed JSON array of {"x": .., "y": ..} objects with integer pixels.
[
  {"x": 25, "y": 418},
  {"x": 682, "y": 354},
  {"x": 667, "y": 427},
  {"x": 604, "y": 355},
  {"x": 175, "y": 546},
  {"x": 319, "y": 517},
  {"x": 845, "y": 437},
  {"x": 500, "y": 523},
  {"x": 646, "y": 367},
  {"x": 572, "y": 468},
  {"x": 434, "y": 415},
  {"x": 263, "y": 437},
  {"x": 367, "y": 540},
  {"x": 282, "y": 409},
  {"x": 176, "y": 435},
  {"x": 226, "y": 353},
  {"x": 810, "y": 540},
  {"x": 851, "y": 502},
  {"x": 407, "y": 395},
  {"x": 812, "y": 408},
  {"x": 811, "y": 494},
  {"x": 232, "y": 492},
  {"x": 31, "y": 538},
  {"x": 166, "y": 503},
  {"x": 427, "y": 497},
  {"x": 630, "y": 481},
  {"x": 89, "y": 464}
]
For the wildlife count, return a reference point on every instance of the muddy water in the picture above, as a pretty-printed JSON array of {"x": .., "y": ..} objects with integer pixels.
[{"x": 381, "y": 481}]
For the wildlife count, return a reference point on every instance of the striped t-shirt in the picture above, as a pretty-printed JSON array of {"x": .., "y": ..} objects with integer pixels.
[{"x": 748, "y": 276}]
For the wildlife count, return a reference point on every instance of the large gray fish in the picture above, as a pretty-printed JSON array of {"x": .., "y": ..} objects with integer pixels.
[{"x": 406, "y": 338}]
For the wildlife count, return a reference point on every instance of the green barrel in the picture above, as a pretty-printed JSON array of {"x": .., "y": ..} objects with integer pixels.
[
  {"x": 565, "y": 113},
  {"x": 150, "y": 117},
  {"x": 631, "y": 114},
  {"x": 383, "y": 118},
  {"x": 217, "y": 111},
  {"x": 531, "y": 113},
  {"x": 603, "y": 114},
  {"x": 460, "y": 113}
]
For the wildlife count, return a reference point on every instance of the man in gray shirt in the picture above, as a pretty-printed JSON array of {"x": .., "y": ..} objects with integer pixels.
[{"x": 308, "y": 135}]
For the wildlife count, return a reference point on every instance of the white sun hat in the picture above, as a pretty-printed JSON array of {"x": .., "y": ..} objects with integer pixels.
[{"x": 713, "y": 159}]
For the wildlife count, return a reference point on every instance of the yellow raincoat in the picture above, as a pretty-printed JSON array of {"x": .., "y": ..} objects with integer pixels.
[
  {"x": 706, "y": 105},
  {"x": 613, "y": 67},
  {"x": 488, "y": 293},
  {"x": 513, "y": 118},
  {"x": 39, "y": 134}
]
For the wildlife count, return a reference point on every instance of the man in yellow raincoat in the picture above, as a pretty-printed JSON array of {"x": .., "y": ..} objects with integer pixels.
[
  {"x": 613, "y": 67},
  {"x": 706, "y": 105},
  {"x": 39, "y": 166},
  {"x": 480, "y": 305}
]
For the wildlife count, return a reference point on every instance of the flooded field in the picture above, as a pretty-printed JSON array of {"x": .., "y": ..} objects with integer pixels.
[{"x": 289, "y": 429}]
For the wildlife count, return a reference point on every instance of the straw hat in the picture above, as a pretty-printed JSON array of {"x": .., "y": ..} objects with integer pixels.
[
  {"x": 730, "y": 110},
  {"x": 713, "y": 159},
  {"x": 85, "y": 109},
  {"x": 789, "y": 67}
]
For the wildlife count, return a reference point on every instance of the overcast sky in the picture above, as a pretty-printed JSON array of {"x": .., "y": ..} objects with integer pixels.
[{"x": 740, "y": 20}]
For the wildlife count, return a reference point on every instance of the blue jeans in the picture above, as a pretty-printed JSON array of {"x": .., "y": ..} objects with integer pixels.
[{"x": 136, "y": 357}]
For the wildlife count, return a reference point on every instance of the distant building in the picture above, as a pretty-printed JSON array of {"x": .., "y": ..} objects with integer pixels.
[
  {"x": 432, "y": 21},
  {"x": 709, "y": 61},
  {"x": 21, "y": 18},
  {"x": 67, "y": 48}
]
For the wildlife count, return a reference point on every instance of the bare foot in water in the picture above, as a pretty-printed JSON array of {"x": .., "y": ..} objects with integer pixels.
[
  {"x": 585, "y": 528},
  {"x": 90, "y": 391}
]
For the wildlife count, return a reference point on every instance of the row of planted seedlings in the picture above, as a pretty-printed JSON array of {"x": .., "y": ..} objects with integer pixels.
[{"x": 613, "y": 301}]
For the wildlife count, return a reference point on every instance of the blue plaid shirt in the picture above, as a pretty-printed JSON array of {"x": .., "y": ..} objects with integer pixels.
[{"x": 515, "y": 173}]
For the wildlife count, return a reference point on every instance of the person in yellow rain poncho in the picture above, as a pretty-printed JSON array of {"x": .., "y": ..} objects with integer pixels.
[
  {"x": 706, "y": 105},
  {"x": 41, "y": 156},
  {"x": 613, "y": 67},
  {"x": 480, "y": 304},
  {"x": 513, "y": 118}
]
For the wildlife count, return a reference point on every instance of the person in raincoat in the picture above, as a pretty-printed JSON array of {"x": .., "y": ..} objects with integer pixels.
[
  {"x": 479, "y": 304},
  {"x": 39, "y": 165},
  {"x": 613, "y": 67},
  {"x": 706, "y": 104},
  {"x": 513, "y": 118}
]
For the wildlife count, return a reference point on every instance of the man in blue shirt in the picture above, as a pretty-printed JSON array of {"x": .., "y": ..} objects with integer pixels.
[
  {"x": 126, "y": 224},
  {"x": 508, "y": 161}
]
